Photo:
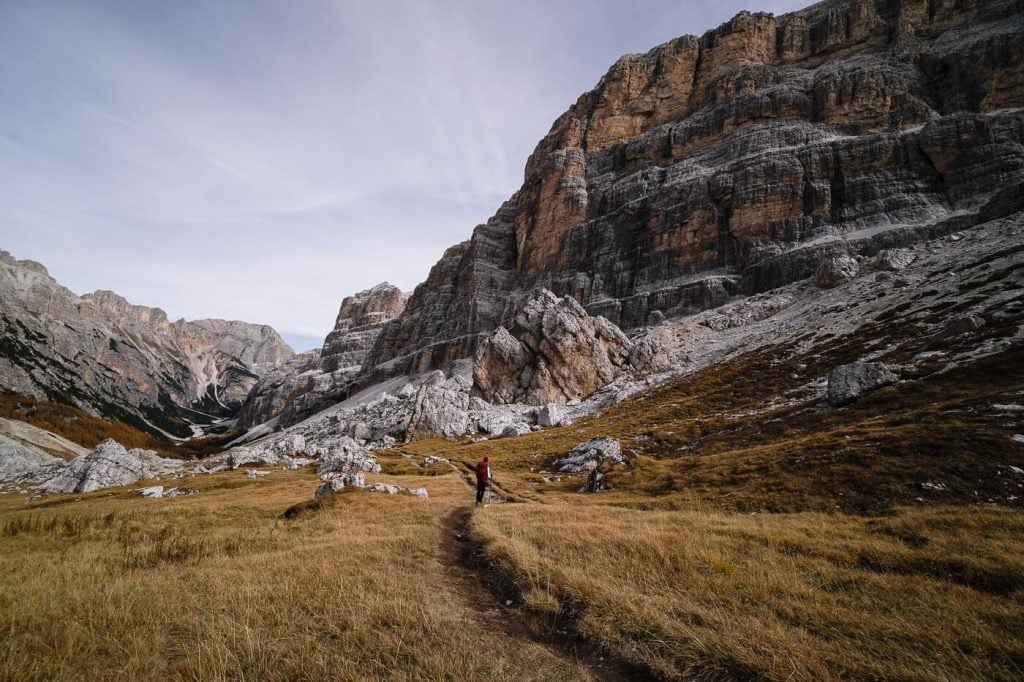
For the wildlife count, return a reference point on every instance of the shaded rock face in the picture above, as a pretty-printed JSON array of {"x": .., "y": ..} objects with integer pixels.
[
  {"x": 835, "y": 270},
  {"x": 846, "y": 383},
  {"x": 315, "y": 380},
  {"x": 735, "y": 162},
  {"x": 554, "y": 353},
  {"x": 107, "y": 466},
  {"x": 112, "y": 358}
]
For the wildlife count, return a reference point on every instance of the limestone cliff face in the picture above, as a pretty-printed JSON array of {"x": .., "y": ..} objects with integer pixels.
[
  {"x": 735, "y": 162},
  {"x": 315, "y": 380},
  {"x": 102, "y": 353}
]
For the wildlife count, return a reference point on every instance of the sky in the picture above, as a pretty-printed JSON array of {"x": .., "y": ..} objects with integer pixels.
[{"x": 261, "y": 160}]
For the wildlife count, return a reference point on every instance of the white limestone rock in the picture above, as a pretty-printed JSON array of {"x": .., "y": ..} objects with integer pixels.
[
  {"x": 589, "y": 454},
  {"x": 338, "y": 483},
  {"x": 347, "y": 456},
  {"x": 441, "y": 409},
  {"x": 109, "y": 465},
  {"x": 553, "y": 415},
  {"x": 21, "y": 464}
]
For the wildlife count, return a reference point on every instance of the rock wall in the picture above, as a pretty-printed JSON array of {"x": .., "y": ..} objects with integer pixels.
[
  {"x": 315, "y": 380},
  {"x": 112, "y": 358},
  {"x": 736, "y": 162}
]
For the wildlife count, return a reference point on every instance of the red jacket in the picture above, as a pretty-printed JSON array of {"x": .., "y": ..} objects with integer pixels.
[{"x": 483, "y": 473}]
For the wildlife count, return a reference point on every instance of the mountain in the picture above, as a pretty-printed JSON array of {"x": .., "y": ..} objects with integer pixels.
[
  {"x": 731, "y": 164},
  {"x": 314, "y": 380},
  {"x": 111, "y": 358}
]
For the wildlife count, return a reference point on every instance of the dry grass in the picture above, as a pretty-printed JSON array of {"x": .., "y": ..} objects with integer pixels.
[
  {"x": 80, "y": 427},
  {"x": 711, "y": 438},
  {"x": 218, "y": 586},
  {"x": 663, "y": 572},
  {"x": 932, "y": 594}
]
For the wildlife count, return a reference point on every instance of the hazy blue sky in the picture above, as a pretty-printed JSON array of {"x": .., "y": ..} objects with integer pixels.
[{"x": 260, "y": 160}]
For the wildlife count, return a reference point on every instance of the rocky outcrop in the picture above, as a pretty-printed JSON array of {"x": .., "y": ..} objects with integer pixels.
[
  {"x": 734, "y": 163},
  {"x": 835, "y": 270},
  {"x": 441, "y": 407},
  {"x": 347, "y": 456},
  {"x": 109, "y": 357},
  {"x": 19, "y": 464},
  {"x": 554, "y": 352},
  {"x": 589, "y": 454},
  {"x": 846, "y": 383},
  {"x": 278, "y": 389},
  {"x": 109, "y": 465},
  {"x": 315, "y": 380},
  {"x": 894, "y": 259}
]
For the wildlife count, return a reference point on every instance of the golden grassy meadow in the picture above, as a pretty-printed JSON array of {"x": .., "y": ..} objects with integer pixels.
[{"x": 797, "y": 545}]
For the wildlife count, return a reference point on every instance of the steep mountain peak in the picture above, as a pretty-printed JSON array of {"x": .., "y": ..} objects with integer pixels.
[{"x": 121, "y": 310}]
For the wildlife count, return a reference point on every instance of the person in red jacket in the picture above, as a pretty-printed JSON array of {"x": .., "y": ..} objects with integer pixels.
[{"x": 483, "y": 477}]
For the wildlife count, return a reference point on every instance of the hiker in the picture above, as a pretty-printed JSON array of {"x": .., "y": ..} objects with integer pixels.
[{"x": 483, "y": 477}]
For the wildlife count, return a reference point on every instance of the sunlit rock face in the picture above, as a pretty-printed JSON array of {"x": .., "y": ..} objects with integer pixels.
[
  {"x": 732, "y": 163},
  {"x": 112, "y": 358}
]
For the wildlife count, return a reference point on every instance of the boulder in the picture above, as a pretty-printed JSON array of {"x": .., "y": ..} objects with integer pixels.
[
  {"x": 650, "y": 356},
  {"x": 589, "y": 454},
  {"x": 553, "y": 352},
  {"x": 291, "y": 444},
  {"x": 109, "y": 465},
  {"x": 834, "y": 270},
  {"x": 440, "y": 409},
  {"x": 515, "y": 429},
  {"x": 846, "y": 383},
  {"x": 347, "y": 456},
  {"x": 339, "y": 483},
  {"x": 893, "y": 259},
  {"x": 259, "y": 455},
  {"x": 553, "y": 415}
]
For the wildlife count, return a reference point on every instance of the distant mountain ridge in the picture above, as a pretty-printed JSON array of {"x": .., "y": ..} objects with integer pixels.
[{"x": 112, "y": 358}]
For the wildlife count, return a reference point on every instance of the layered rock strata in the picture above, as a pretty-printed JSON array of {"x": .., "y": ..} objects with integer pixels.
[
  {"x": 737, "y": 162},
  {"x": 112, "y": 358},
  {"x": 318, "y": 379}
]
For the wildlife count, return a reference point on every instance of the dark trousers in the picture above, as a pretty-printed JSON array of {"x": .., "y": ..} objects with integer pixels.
[{"x": 480, "y": 488}]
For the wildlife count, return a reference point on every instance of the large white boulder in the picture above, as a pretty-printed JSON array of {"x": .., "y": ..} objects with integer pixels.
[
  {"x": 109, "y": 465},
  {"x": 589, "y": 454}
]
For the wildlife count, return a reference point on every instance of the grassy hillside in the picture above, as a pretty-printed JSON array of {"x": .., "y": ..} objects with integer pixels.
[{"x": 88, "y": 431}]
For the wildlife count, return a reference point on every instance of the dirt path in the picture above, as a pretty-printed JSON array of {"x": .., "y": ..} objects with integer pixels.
[{"x": 498, "y": 613}]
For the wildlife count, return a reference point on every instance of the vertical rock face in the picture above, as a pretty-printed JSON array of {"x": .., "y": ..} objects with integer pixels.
[
  {"x": 360, "y": 321},
  {"x": 105, "y": 355},
  {"x": 736, "y": 162},
  {"x": 315, "y": 380}
]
